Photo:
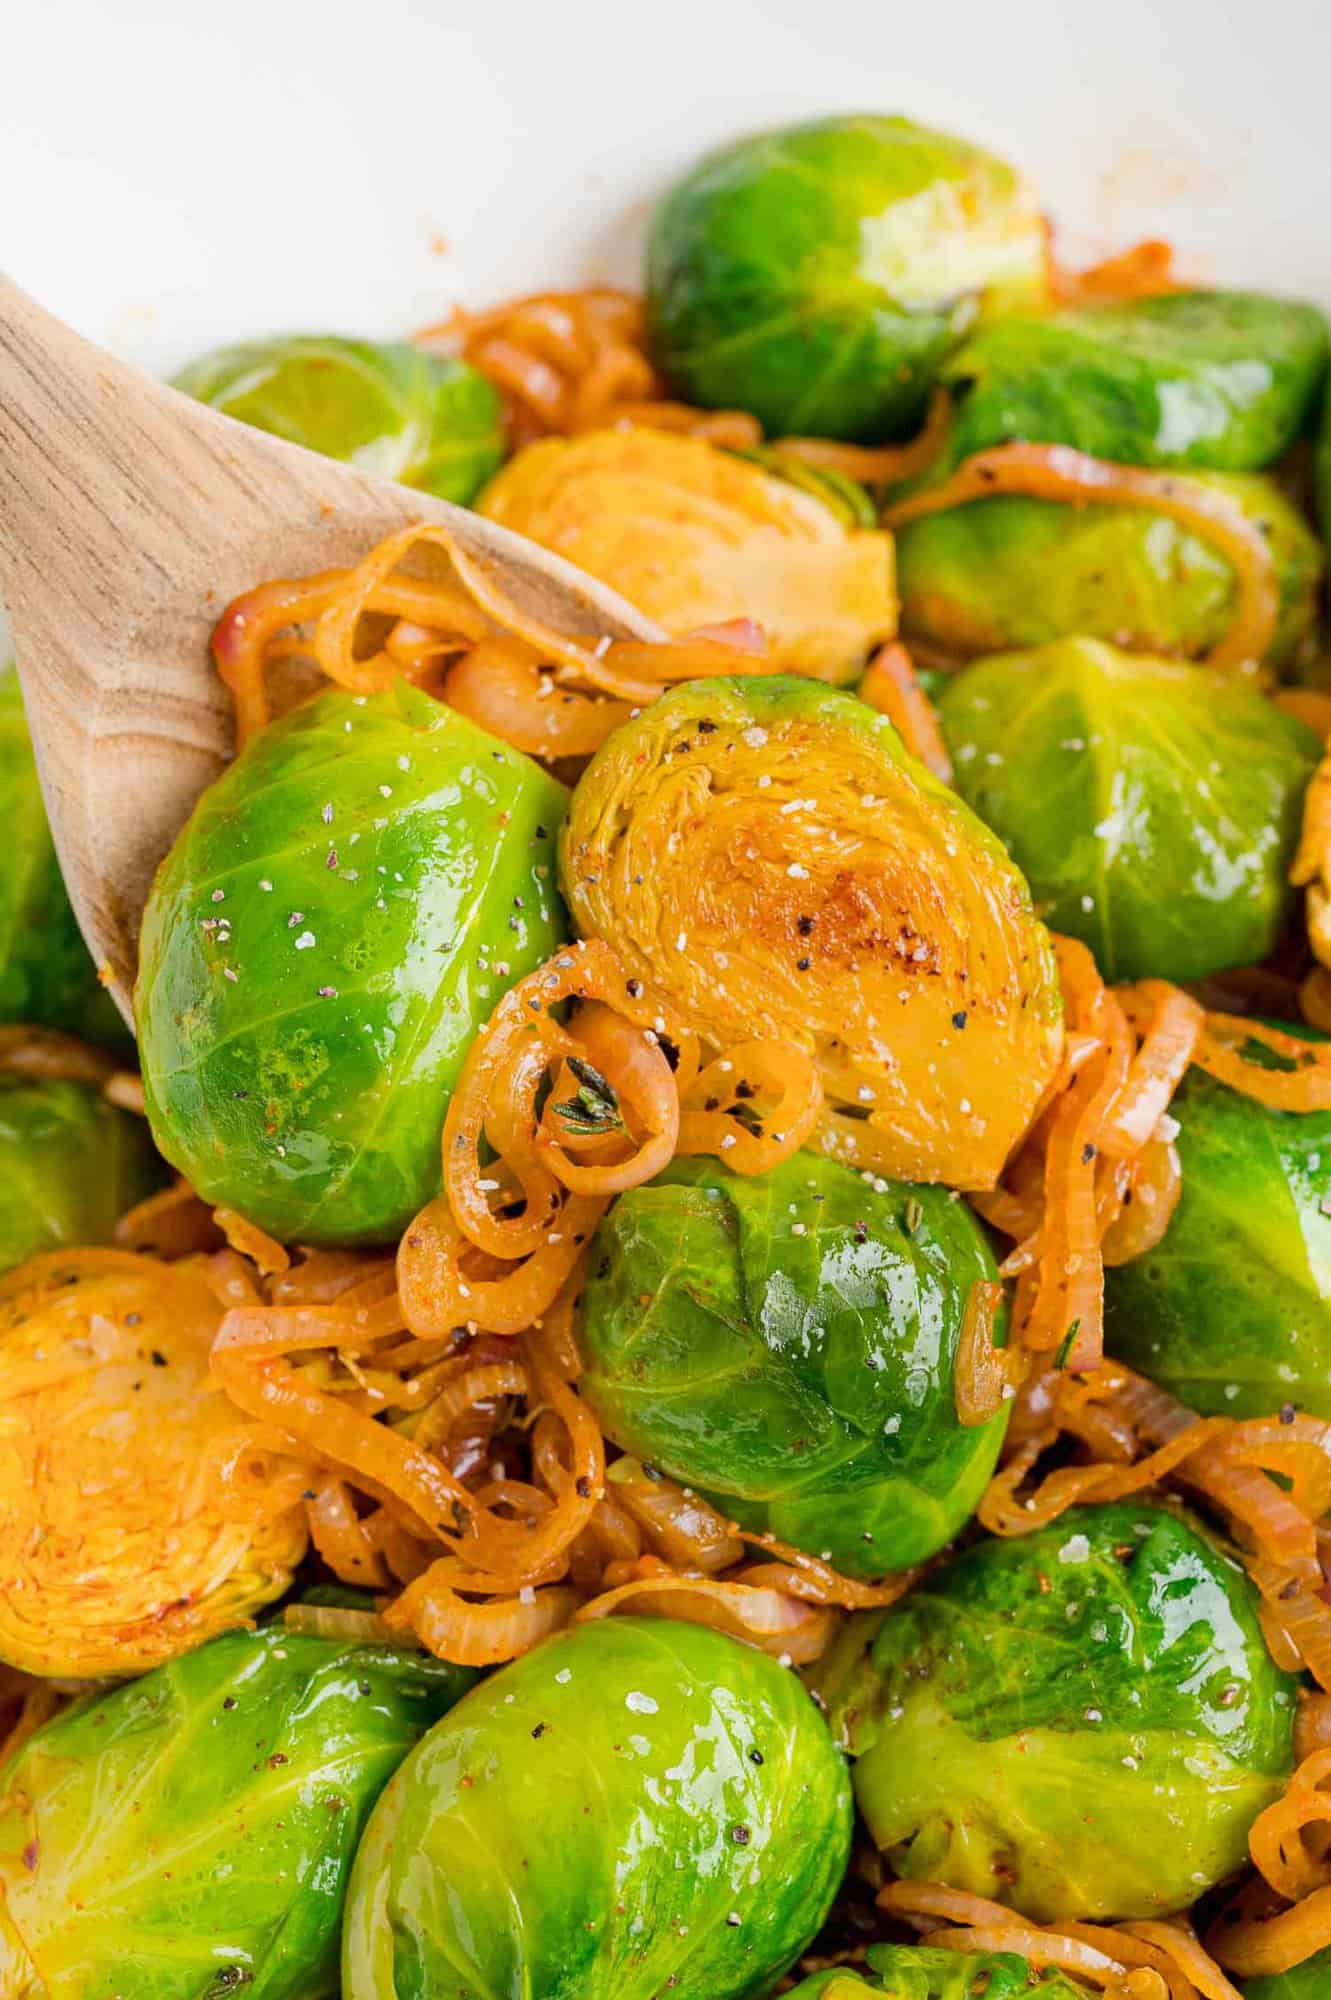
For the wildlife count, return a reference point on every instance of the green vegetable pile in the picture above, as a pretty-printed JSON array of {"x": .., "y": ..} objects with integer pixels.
[{"x": 582, "y": 1438}]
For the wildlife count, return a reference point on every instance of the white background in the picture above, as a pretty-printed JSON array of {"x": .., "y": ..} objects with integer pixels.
[{"x": 176, "y": 174}]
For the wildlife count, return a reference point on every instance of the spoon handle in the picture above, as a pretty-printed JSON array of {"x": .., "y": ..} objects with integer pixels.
[{"x": 130, "y": 516}]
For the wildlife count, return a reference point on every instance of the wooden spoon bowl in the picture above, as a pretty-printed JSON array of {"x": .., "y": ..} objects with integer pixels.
[{"x": 130, "y": 516}]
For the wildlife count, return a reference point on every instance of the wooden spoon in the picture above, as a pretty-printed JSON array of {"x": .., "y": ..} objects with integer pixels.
[{"x": 130, "y": 516}]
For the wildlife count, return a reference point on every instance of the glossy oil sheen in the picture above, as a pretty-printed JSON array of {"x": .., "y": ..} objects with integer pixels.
[
  {"x": 818, "y": 276},
  {"x": 70, "y": 1165},
  {"x": 190, "y": 1835},
  {"x": 586, "y": 1821},
  {"x": 1016, "y": 572},
  {"x": 393, "y": 409},
  {"x": 1154, "y": 807},
  {"x": 1223, "y": 380},
  {"x": 787, "y": 1344},
  {"x": 923, "y": 1972},
  {"x": 410, "y": 858},
  {"x": 1231, "y": 1311},
  {"x": 1082, "y": 1722},
  {"x": 46, "y": 975}
]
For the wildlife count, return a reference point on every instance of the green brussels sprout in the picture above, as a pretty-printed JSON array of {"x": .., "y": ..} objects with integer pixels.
[
  {"x": 342, "y": 911},
  {"x": 1083, "y": 1722},
  {"x": 1153, "y": 806},
  {"x": 1309, "y": 1981},
  {"x": 191, "y": 1833},
  {"x": 998, "y": 574},
  {"x": 1218, "y": 379},
  {"x": 819, "y": 275},
  {"x": 47, "y": 977},
  {"x": 795, "y": 1360},
  {"x": 638, "y": 1805},
  {"x": 424, "y": 419},
  {"x": 70, "y": 1166},
  {"x": 928, "y": 1972},
  {"x": 1231, "y": 1311}
]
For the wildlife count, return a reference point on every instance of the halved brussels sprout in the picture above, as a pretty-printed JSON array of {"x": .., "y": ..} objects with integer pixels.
[
  {"x": 1309, "y": 1981},
  {"x": 1011, "y": 572},
  {"x": 767, "y": 856},
  {"x": 1218, "y": 379},
  {"x": 392, "y": 409},
  {"x": 340, "y": 914},
  {"x": 192, "y": 1834},
  {"x": 927, "y": 1972},
  {"x": 638, "y": 1806},
  {"x": 694, "y": 536},
  {"x": 46, "y": 974},
  {"x": 69, "y": 1167},
  {"x": 819, "y": 275},
  {"x": 1231, "y": 1311},
  {"x": 1083, "y": 1722},
  {"x": 787, "y": 1344},
  {"x": 851, "y": 502},
  {"x": 1154, "y": 807},
  {"x": 132, "y": 1526}
]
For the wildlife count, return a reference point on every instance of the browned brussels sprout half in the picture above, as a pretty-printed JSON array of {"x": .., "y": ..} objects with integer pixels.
[
  {"x": 69, "y": 1167},
  {"x": 1223, "y": 380},
  {"x": 638, "y": 1807},
  {"x": 1231, "y": 1311},
  {"x": 139, "y": 1512},
  {"x": 1014, "y": 571},
  {"x": 818, "y": 276},
  {"x": 340, "y": 914},
  {"x": 1083, "y": 1722},
  {"x": 787, "y": 1344},
  {"x": 46, "y": 975},
  {"x": 1153, "y": 806},
  {"x": 695, "y": 536},
  {"x": 192, "y": 1833},
  {"x": 765, "y": 854},
  {"x": 391, "y": 408}
]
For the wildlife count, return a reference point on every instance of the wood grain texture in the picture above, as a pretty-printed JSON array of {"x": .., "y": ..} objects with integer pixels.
[{"x": 130, "y": 516}]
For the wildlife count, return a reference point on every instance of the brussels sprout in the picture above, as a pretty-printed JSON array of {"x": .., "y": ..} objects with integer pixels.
[
  {"x": 1309, "y": 1981},
  {"x": 638, "y": 1805},
  {"x": 764, "y": 852},
  {"x": 795, "y": 1359},
  {"x": 131, "y": 1525},
  {"x": 46, "y": 975},
  {"x": 694, "y": 536},
  {"x": 1218, "y": 379},
  {"x": 390, "y": 408},
  {"x": 818, "y": 276},
  {"x": 69, "y": 1167},
  {"x": 1154, "y": 807},
  {"x": 192, "y": 1833},
  {"x": 1083, "y": 1722},
  {"x": 1016, "y": 572},
  {"x": 340, "y": 914},
  {"x": 1232, "y": 1309},
  {"x": 928, "y": 1972}
]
